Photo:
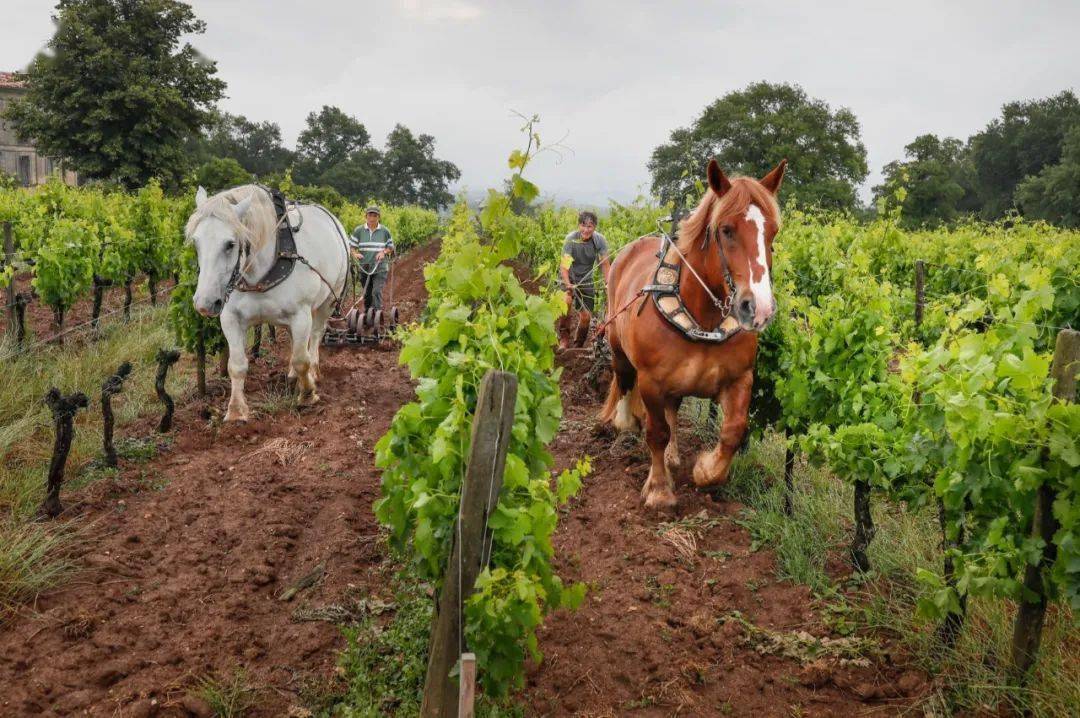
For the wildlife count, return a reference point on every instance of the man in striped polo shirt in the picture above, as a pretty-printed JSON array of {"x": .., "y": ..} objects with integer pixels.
[{"x": 372, "y": 245}]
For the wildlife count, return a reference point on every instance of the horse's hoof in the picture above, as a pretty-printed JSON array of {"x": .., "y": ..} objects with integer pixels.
[
  {"x": 706, "y": 474},
  {"x": 661, "y": 500},
  {"x": 309, "y": 400},
  {"x": 241, "y": 416}
]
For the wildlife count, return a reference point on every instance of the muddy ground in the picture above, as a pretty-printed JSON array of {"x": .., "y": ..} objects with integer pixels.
[{"x": 188, "y": 556}]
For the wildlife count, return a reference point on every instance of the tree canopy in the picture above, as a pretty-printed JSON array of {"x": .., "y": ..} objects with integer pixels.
[
  {"x": 751, "y": 130},
  {"x": 1028, "y": 137},
  {"x": 936, "y": 182},
  {"x": 256, "y": 146},
  {"x": 119, "y": 94}
]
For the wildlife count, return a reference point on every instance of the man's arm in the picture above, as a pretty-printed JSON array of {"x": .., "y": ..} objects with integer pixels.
[{"x": 388, "y": 249}]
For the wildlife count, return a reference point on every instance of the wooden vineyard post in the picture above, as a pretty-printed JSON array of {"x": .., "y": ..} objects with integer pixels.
[
  {"x": 920, "y": 292},
  {"x": 789, "y": 475},
  {"x": 200, "y": 361},
  {"x": 9, "y": 261},
  {"x": 127, "y": 300},
  {"x": 1027, "y": 631},
  {"x": 491, "y": 428},
  {"x": 165, "y": 359},
  {"x": 467, "y": 694},
  {"x": 256, "y": 343},
  {"x": 20, "y": 317},
  {"x": 63, "y": 410},
  {"x": 109, "y": 388},
  {"x": 864, "y": 526}
]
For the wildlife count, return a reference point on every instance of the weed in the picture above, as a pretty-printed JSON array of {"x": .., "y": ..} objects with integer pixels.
[{"x": 229, "y": 696}]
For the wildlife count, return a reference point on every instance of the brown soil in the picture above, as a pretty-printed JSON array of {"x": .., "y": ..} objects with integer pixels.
[
  {"x": 649, "y": 640},
  {"x": 188, "y": 554},
  {"x": 40, "y": 322}
]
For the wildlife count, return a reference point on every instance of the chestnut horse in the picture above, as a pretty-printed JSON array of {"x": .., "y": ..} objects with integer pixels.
[{"x": 655, "y": 365}]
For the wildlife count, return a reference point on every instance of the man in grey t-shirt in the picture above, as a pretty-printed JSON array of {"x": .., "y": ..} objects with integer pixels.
[{"x": 582, "y": 251}]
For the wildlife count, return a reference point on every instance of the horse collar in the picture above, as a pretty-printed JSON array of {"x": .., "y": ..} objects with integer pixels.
[
  {"x": 669, "y": 302},
  {"x": 285, "y": 251}
]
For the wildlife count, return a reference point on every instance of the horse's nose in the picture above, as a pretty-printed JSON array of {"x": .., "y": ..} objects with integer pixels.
[
  {"x": 746, "y": 308},
  {"x": 211, "y": 310}
]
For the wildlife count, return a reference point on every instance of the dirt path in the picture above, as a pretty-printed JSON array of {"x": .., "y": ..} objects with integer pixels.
[
  {"x": 188, "y": 553},
  {"x": 648, "y": 640}
]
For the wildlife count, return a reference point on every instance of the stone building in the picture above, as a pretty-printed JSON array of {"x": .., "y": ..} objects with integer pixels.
[{"x": 19, "y": 158}]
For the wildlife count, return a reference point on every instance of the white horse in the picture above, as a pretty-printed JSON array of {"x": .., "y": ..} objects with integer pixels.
[{"x": 235, "y": 231}]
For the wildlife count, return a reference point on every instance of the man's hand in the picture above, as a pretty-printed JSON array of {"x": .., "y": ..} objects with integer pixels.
[
  {"x": 380, "y": 255},
  {"x": 356, "y": 253}
]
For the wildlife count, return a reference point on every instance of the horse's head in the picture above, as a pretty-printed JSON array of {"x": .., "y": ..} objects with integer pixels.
[
  {"x": 218, "y": 232},
  {"x": 744, "y": 218}
]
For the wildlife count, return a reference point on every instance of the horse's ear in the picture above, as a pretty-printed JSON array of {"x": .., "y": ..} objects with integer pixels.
[
  {"x": 241, "y": 208},
  {"x": 717, "y": 179},
  {"x": 772, "y": 180},
  {"x": 200, "y": 196}
]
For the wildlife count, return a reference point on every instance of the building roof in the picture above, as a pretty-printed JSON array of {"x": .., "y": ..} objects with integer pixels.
[{"x": 8, "y": 81}]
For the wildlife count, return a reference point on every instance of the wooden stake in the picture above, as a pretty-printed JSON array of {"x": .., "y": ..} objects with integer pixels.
[
  {"x": 467, "y": 694},
  {"x": 789, "y": 476},
  {"x": 1027, "y": 631},
  {"x": 9, "y": 260},
  {"x": 491, "y": 429}
]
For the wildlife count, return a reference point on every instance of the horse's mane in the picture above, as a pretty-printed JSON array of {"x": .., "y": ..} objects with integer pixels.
[
  {"x": 712, "y": 210},
  {"x": 260, "y": 222}
]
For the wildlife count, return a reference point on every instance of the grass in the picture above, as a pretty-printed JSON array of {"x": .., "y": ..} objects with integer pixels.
[
  {"x": 972, "y": 676},
  {"x": 230, "y": 696},
  {"x": 385, "y": 661},
  {"x": 33, "y": 557}
]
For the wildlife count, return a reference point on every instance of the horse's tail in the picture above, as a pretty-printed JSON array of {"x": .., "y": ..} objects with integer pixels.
[{"x": 615, "y": 395}]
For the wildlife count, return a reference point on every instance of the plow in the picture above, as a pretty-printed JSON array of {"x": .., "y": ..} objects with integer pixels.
[{"x": 361, "y": 324}]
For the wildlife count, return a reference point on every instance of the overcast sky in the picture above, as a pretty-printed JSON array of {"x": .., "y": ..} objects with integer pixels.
[{"x": 614, "y": 77}]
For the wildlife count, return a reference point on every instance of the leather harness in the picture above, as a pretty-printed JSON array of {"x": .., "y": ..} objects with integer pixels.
[
  {"x": 285, "y": 252},
  {"x": 667, "y": 300}
]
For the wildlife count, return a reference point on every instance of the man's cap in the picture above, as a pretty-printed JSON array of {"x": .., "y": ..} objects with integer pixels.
[{"x": 374, "y": 209}]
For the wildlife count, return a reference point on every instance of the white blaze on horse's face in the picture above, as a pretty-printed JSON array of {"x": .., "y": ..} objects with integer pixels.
[{"x": 760, "y": 284}]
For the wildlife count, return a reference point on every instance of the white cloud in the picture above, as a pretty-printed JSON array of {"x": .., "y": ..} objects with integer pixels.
[{"x": 435, "y": 10}]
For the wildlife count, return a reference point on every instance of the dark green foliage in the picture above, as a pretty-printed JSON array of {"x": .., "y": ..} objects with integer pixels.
[
  {"x": 330, "y": 138},
  {"x": 936, "y": 181},
  {"x": 1054, "y": 193},
  {"x": 120, "y": 93},
  {"x": 1028, "y": 137},
  {"x": 751, "y": 130},
  {"x": 220, "y": 173},
  {"x": 256, "y": 146},
  {"x": 334, "y": 150}
]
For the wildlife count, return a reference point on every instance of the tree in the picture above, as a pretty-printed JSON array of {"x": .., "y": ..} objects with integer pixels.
[
  {"x": 1054, "y": 193},
  {"x": 330, "y": 138},
  {"x": 1028, "y": 137},
  {"x": 751, "y": 130},
  {"x": 411, "y": 174},
  {"x": 257, "y": 146},
  {"x": 936, "y": 179},
  {"x": 221, "y": 173},
  {"x": 359, "y": 177},
  {"x": 119, "y": 95}
]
